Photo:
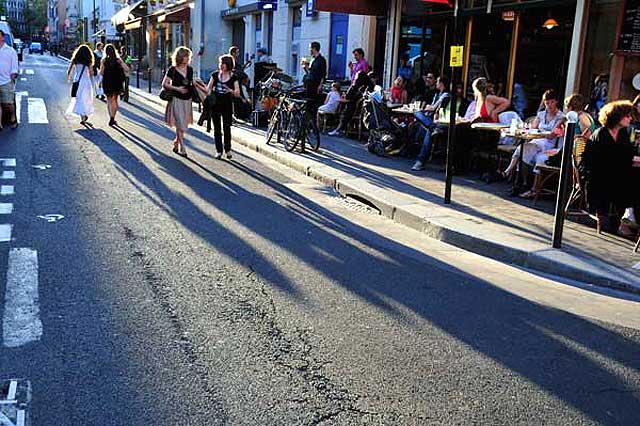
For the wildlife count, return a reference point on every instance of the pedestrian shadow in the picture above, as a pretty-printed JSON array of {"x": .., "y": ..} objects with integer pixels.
[{"x": 590, "y": 367}]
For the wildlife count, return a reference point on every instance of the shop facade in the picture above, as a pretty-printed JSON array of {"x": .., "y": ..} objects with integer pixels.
[{"x": 285, "y": 28}]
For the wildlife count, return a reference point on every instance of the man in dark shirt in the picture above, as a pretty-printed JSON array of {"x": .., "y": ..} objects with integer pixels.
[{"x": 316, "y": 72}]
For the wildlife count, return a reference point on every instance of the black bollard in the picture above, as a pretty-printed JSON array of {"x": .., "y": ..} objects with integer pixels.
[
  {"x": 149, "y": 77},
  {"x": 565, "y": 178}
]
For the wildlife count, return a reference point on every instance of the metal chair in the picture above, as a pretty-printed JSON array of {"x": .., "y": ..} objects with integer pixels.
[
  {"x": 577, "y": 198},
  {"x": 355, "y": 124}
]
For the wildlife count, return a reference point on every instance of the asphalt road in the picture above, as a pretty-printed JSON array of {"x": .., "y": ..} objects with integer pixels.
[{"x": 203, "y": 292}]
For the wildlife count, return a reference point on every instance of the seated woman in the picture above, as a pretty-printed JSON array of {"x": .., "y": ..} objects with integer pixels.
[
  {"x": 332, "y": 101},
  {"x": 584, "y": 129},
  {"x": 399, "y": 91},
  {"x": 360, "y": 83},
  {"x": 547, "y": 121},
  {"x": 488, "y": 106},
  {"x": 607, "y": 166}
]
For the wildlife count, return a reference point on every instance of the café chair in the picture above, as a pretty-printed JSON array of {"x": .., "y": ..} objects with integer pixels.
[
  {"x": 325, "y": 118},
  {"x": 355, "y": 125},
  {"x": 576, "y": 206}
]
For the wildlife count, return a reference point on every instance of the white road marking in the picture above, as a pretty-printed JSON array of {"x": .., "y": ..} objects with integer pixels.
[
  {"x": 37, "y": 111},
  {"x": 6, "y": 208},
  {"x": 29, "y": 72},
  {"x": 21, "y": 321},
  {"x": 5, "y": 232},
  {"x": 51, "y": 217},
  {"x": 8, "y": 174},
  {"x": 23, "y": 78},
  {"x": 8, "y": 162},
  {"x": 21, "y": 71},
  {"x": 19, "y": 96},
  {"x": 13, "y": 387},
  {"x": 20, "y": 418},
  {"x": 636, "y": 266},
  {"x": 6, "y": 190}
]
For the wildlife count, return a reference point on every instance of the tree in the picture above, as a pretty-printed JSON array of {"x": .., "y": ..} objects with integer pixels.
[{"x": 35, "y": 15}]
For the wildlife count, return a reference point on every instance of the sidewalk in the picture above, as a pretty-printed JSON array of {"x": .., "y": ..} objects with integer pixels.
[{"x": 481, "y": 219}]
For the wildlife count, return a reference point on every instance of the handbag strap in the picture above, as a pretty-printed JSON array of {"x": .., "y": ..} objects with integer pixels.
[{"x": 81, "y": 72}]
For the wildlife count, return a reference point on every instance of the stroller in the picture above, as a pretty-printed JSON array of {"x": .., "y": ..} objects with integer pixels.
[{"x": 386, "y": 137}]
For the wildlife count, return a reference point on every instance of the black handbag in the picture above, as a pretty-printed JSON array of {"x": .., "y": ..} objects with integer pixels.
[
  {"x": 166, "y": 95},
  {"x": 76, "y": 84}
]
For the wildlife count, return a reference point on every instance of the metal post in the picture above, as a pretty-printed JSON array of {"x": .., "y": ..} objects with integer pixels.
[
  {"x": 95, "y": 25},
  {"x": 149, "y": 77},
  {"x": 453, "y": 101},
  {"x": 565, "y": 178}
]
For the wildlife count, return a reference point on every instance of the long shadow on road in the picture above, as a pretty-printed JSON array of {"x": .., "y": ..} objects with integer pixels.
[{"x": 562, "y": 354}]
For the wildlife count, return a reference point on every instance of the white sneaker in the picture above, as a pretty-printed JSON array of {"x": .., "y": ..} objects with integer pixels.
[
  {"x": 335, "y": 132},
  {"x": 418, "y": 165}
]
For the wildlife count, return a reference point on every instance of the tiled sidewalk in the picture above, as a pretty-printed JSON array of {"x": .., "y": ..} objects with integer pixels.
[{"x": 482, "y": 218}]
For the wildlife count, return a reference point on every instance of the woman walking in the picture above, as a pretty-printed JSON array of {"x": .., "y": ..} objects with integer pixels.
[
  {"x": 226, "y": 86},
  {"x": 81, "y": 71},
  {"x": 113, "y": 71},
  {"x": 179, "y": 81}
]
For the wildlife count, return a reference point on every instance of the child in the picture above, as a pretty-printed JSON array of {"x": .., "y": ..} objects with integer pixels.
[
  {"x": 398, "y": 91},
  {"x": 332, "y": 102}
]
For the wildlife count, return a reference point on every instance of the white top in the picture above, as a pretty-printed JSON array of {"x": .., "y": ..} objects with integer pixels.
[
  {"x": 8, "y": 64},
  {"x": 333, "y": 100},
  {"x": 77, "y": 70}
]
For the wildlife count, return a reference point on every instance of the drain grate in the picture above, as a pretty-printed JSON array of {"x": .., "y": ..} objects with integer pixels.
[
  {"x": 359, "y": 205},
  {"x": 15, "y": 396}
]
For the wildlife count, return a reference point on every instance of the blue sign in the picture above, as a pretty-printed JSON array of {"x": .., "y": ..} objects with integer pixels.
[{"x": 311, "y": 8}]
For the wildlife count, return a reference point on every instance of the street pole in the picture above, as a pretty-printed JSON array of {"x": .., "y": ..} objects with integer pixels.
[
  {"x": 453, "y": 101},
  {"x": 95, "y": 25},
  {"x": 565, "y": 177}
]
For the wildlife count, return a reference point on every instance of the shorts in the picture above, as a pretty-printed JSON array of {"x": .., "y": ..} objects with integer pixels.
[{"x": 7, "y": 93}]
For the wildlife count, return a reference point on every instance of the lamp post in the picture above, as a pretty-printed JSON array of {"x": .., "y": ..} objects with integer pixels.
[{"x": 95, "y": 24}]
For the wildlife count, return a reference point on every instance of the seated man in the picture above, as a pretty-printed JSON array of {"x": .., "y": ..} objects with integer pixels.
[{"x": 426, "y": 120}]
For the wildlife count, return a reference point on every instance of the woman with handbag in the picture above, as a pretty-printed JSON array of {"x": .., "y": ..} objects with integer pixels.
[
  {"x": 178, "y": 90},
  {"x": 80, "y": 72},
  {"x": 224, "y": 83},
  {"x": 113, "y": 71}
]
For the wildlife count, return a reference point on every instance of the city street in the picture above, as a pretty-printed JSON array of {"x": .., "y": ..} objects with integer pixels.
[{"x": 140, "y": 288}]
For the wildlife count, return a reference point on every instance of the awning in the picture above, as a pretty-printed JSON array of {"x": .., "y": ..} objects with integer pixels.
[
  {"x": 134, "y": 24},
  {"x": 175, "y": 13},
  {"x": 354, "y": 7},
  {"x": 129, "y": 13}
]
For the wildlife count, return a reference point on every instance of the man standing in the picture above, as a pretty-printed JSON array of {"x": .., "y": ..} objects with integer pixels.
[
  {"x": 315, "y": 74},
  {"x": 262, "y": 55},
  {"x": 8, "y": 74},
  {"x": 98, "y": 53},
  {"x": 359, "y": 64}
]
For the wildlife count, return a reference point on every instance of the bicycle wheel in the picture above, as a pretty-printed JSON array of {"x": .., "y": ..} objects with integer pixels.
[
  {"x": 312, "y": 134},
  {"x": 283, "y": 123},
  {"x": 274, "y": 124},
  {"x": 292, "y": 133}
]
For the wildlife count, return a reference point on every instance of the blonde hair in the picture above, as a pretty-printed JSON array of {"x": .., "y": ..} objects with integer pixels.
[
  {"x": 480, "y": 86},
  {"x": 179, "y": 54}
]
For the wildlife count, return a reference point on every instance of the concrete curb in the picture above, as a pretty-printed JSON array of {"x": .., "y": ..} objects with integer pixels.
[
  {"x": 423, "y": 219},
  {"x": 436, "y": 222}
]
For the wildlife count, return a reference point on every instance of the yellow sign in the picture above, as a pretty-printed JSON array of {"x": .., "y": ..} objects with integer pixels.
[
  {"x": 232, "y": 3},
  {"x": 456, "y": 56}
]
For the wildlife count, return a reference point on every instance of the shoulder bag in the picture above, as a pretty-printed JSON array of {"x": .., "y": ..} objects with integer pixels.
[{"x": 76, "y": 84}]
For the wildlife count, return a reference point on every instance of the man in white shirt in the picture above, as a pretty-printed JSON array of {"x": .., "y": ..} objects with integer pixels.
[{"x": 8, "y": 74}]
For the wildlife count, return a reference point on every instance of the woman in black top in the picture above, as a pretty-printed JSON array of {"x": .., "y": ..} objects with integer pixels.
[
  {"x": 226, "y": 86},
  {"x": 607, "y": 166},
  {"x": 113, "y": 70},
  {"x": 179, "y": 112}
]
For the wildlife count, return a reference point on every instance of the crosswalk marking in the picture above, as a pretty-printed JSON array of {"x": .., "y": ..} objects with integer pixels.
[
  {"x": 8, "y": 174},
  {"x": 6, "y": 190},
  {"x": 19, "y": 96},
  {"x": 21, "y": 322},
  {"x": 8, "y": 162},
  {"x": 37, "y": 111},
  {"x": 6, "y": 208},
  {"x": 5, "y": 232},
  {"x": 29, "y": 72}
]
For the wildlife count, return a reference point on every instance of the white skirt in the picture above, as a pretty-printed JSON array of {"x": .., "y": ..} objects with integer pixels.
[{"x": 82, "y": 104}]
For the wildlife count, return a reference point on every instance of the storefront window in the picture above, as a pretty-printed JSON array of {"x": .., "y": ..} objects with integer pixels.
[
  {"x": 421, "y": 50},
  {"x": 543, "y": 54},
  {"x": 258, "y": 23},
  {"x": 295, "y": 38}
]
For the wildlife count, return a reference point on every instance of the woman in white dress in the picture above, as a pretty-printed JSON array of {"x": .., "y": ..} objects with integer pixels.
[{"x": 81, "y": 71}]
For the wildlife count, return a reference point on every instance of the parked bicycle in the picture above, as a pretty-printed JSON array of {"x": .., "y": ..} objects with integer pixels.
[{"x": 301, "y": 127}]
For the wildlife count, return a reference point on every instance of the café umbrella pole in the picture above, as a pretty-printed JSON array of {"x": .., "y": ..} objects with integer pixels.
[
  {"x": 566, "y": 169},
  {"x": 452, "y": 116}
]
